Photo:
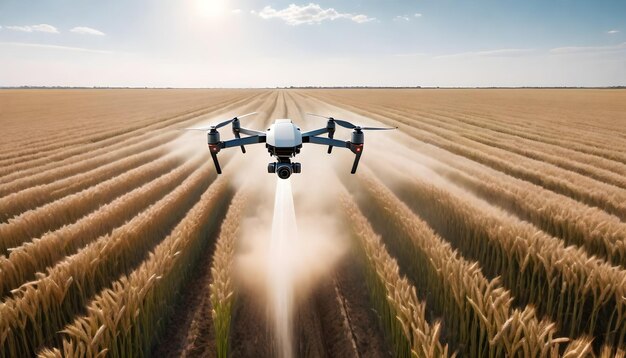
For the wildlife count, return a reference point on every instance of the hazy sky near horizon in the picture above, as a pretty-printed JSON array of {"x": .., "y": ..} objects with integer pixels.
[{"x": 259, "y": 43}]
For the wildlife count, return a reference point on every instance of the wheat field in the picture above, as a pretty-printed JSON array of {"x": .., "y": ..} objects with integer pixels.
[{"x": 492, "y": 223}]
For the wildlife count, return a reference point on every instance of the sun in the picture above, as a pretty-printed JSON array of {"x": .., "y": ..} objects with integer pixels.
[{"x": 210, "y": 8}]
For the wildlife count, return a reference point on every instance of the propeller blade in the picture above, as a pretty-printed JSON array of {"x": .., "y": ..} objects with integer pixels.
[
  {"x": 205, "y": 128},
  {"x": 247, "y": 114},
  {"x": 221, "y": 124},
  {"x": 318, "y": 115},
  {"x": 349, "y": 125},
  {"x": 377, "y": 128},
  {"x": 345, "y": 124}
]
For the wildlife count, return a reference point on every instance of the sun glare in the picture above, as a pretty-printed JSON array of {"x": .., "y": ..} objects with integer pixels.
[{"x": 210, "y": 8}]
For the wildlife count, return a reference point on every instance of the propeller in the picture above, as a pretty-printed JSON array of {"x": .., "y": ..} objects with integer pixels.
[
  {"x": 349, "y": 125},
  {"x": 220, "y": 125}
]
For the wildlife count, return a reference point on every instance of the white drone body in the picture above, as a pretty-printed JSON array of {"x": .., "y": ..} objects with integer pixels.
[
  {"x": 283, "y": 134},
  {"x": 283, "y": 140}
]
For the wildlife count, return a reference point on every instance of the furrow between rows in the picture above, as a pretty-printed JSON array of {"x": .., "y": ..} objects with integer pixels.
[
  {"x": 33, "y": 155},
  {"x": 35, "y": 256},
  {"x": 38, "y": 310},
  {"x": 124, "y": 321},
  {"x": 478, "y": 313},
  {"x": 589, "y": 191},
  {"x": 35, "y": 222},
  {"x": 582, "y": 294},
  {"x": 33, "y": 197}
]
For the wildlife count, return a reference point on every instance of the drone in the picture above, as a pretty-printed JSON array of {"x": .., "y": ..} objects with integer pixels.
[{"x": 283, "y": 140}]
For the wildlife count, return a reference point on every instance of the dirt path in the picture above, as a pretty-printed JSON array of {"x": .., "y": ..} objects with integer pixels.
[
  {"x": 362, "y": 334},
  {"x": 335, "y": 321},
  {"x": 190, "y": 331}
]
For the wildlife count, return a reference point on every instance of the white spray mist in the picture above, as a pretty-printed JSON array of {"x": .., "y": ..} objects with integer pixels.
[{"x": 284, "y": 236}]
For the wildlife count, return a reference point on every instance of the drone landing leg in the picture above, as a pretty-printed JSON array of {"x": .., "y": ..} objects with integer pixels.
[
  {"x": 356, "y": 162},
  {"x": 216, "y": 162}
]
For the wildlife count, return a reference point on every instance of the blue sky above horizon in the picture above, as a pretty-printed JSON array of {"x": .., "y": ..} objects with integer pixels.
[{"x": 254, "y": 43}]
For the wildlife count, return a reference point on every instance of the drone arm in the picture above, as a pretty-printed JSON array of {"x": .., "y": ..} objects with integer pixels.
[
  {"x": 237, "y": 130},
  {"x": 315, "y": 132},
  {"x": 215, "y": 147},
  {"x": 243, "y": 141},
  {"x": 251, "y": 132},
  {"x": 325, "y": 141},
  {"x": 357, "y": 149}
]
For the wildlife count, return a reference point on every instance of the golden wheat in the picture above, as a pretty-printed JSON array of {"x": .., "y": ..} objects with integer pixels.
[
  {"x": 61, "y": 170},
  {"x": 133, "y": 143},
  {"x": 599, "y": 233},
  {"x": 222, "y": 289},
  {"x": 40, "y": 308},
  {"x": 592, "y": 166},
  {"x": 124, "y": 321},
  {"x": 33, "y": 197},
  {"x": 24, "y": 261},
  {"x": 33, "y": 223},
  {"x": 582, "y": 294},
  {"x": 594, "y": 193},
  {"x": 395, "y": 298},
  {"x": 477, "y": 312},
  {"x": 88, "y": 138}
]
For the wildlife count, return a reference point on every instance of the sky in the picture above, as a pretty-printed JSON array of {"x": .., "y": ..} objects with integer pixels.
[{"x": 267, "y": 43}]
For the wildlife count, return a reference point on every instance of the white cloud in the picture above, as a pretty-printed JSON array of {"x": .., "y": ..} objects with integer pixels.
[
  {"x": 589, "y": 49},
  {"x": 309, "y": 14},
  {"x": 507, "y": 52},
  {"x": 53, "y": 47},
  {"x": 360, "y": 19},
  {"x": 612, "y": 32},
  {"x": 35, "y": 28},
  {"x": 236, "y": 11},
  {"x": 417, "y": 14},
  {"x": 402, "y": 18},
  {"x": 87, "y": 31}
]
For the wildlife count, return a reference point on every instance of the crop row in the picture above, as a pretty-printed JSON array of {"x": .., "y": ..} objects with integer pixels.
[
  {"x": 91, "y": 155},
  {"x": 24, "y": 261},
  {"x": 478, "y": 314},
  {"x": 124, "y": 321},
  {"x": 540, "y": 130},
  {"x": 573, "y": 141},
  {"x": 610, "y": 173},
  {"x": 88, "y": 160},
  {"x": 599, "y": 233},
  {"x": 222, "y": 287},
  {"x": 403, "y": 315},
  {"x": 76, "y": 175},
  {"x": 583, "y": 295},
  {"x": 89, "y": 140},
  {"x": 547, "y": 128},
  {"x": 558, "y": 157},
  {"x": 609, "y": 198},
  {"x": 40, "y": 308},
  {"x": 36, "y": 196},
  {"x": 33, "y": 223}
]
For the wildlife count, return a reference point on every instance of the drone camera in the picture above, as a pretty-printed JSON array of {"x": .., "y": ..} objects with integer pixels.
[{"x": 284, "y": 170}]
